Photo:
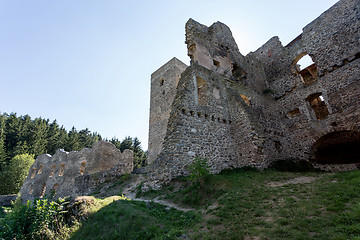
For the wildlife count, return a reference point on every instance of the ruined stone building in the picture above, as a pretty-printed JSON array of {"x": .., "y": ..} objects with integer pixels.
[
  {"x": 253, "y": 110},
  {"x": 76, "y": 173}
]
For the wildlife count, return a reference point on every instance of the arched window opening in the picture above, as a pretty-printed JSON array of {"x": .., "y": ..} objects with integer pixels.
[
  {"x": 341, "y": 147},
  {"x": 40, "y": 169},
  {"x": 306, "y": 68},
  {"x": 43, "y": 190},
  {"x": 82, "y": 168},
  {"x": 201, "y": 91},
  {"x": 318, "y": 105},
  {"x": 61, "y": 170}
]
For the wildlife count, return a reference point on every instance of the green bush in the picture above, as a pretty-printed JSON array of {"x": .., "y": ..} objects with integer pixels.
[
  {"x": 40, "y": 219},
  {"x": 13, "y": 175},
  {"x": 199, "y": 169}
]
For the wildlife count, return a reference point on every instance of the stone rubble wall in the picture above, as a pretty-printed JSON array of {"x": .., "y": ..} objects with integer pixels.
[{"x": 75, "y": 173}]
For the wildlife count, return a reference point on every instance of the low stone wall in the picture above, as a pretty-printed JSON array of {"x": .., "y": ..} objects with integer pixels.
[{"x": 75, "y": 173}]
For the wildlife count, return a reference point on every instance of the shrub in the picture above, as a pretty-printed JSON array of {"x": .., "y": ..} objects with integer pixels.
[
  {"x": 199, "y": 169},
  {"x": 13, "y": 175},
  {"x": 40, "y": 219}
]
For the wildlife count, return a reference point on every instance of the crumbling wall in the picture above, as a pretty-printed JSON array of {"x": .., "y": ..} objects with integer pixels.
[
  {"x": 75, "y": 173},
  {"x": 309, "y": 110}
]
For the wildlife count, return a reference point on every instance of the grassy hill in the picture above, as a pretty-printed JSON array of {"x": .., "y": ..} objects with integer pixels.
[{"x": 236, "y": 204}]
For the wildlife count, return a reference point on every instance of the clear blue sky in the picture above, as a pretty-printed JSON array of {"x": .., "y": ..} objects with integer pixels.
[{"x": 88, "y": 63}]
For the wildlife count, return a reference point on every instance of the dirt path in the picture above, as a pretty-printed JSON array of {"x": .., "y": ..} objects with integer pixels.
[{"x": 298, "y": 180}]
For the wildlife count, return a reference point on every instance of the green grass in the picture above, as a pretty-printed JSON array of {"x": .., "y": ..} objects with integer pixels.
[
  {"x": 238, "y": 204},
  {"x": 123, "y": 219}
]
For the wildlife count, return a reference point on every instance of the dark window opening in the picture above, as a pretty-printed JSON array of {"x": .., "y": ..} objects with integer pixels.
[
  {"x": 206, "y": 116},
  {"x": 199, "y": 114},
  {"x": 192, "y": 113},
  {"x": 318, "y": 105},
  {"x": 162, "y": 82},
  {"x": 216, "y": 63},
  {"x": 183, "y": 111}
]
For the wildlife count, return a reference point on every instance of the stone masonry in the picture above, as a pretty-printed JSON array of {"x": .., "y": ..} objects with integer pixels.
[
  {"x": 260, "y": 108},
  {"x": 163, "y": 88},
  {"x": 75, "y": 173}
]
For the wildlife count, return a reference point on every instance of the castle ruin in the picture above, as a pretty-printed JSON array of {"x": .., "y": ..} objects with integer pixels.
[{"x": 253, "y": 110}]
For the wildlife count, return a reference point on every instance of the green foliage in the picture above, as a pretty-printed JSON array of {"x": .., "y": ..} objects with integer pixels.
[
  {"x": 13, "y": 175},
  {"x": 19, "y": 135},
  {"x": 40, "y": 219},
  {"x": 198, "y": 170}
]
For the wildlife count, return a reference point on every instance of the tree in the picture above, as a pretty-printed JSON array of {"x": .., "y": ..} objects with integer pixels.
[
  {"x": 3, "y": 154},
  {"x": 85, "y": 138},
  {"x": 13, "y": 175},
  {"x": 127, "y": 143},
  {"x": 73, "y": 143}
]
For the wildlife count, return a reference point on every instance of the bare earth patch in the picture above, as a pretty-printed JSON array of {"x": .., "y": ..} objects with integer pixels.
[{"x": 298, "y": 180}]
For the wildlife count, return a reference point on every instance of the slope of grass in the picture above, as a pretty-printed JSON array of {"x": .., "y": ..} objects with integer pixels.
[
  {"x": 242, "y": 205},
  {"x": 125, "y": 219}
]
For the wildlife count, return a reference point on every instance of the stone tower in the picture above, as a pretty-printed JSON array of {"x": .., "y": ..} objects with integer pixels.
[{"x": 163, "y": 89}]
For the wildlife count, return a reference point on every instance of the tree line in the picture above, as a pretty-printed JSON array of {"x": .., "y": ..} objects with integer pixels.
[{"x": 26, "y": 137}]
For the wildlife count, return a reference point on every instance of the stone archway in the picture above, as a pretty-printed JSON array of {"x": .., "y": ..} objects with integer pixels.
[{"x": 340, "y": 147}]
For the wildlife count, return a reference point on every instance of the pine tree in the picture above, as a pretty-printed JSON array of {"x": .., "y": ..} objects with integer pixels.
[{"x": 73, "y": 143}]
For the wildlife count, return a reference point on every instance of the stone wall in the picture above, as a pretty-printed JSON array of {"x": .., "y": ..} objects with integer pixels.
[
  {"x": 75, "y": 173},
  {"x": 253, "y": 110},
  {"x": 163, "y": 89}
]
